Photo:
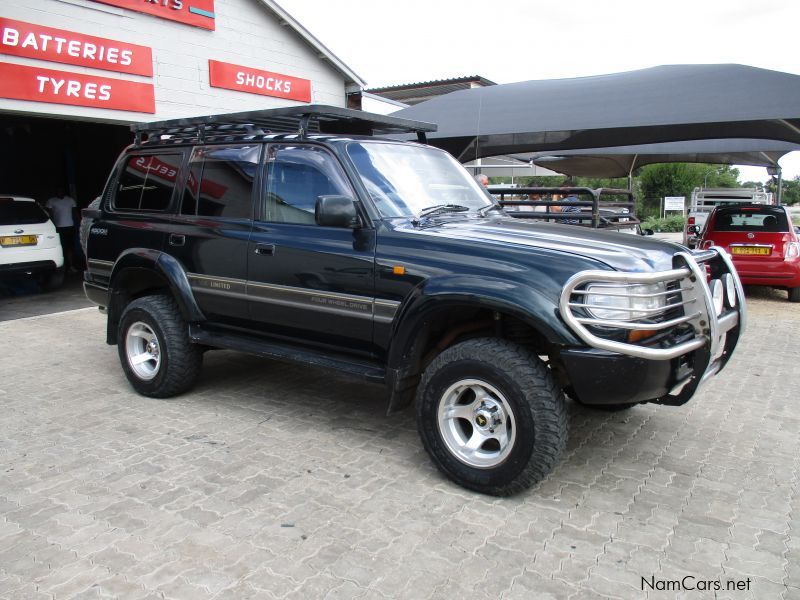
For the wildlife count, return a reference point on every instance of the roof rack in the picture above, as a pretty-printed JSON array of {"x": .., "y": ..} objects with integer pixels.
[{"x": 314, "y": 118}]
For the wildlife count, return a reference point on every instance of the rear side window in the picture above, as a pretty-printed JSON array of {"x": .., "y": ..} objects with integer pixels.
[
  {"x": 147, "y": 182},
  {"x": 16, "y": 212},
  {"x": 220, "y": 181},
  {"x": 752, "y": 220}
]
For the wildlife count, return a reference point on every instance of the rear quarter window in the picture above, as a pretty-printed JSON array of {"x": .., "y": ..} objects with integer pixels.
[{"x": 147, "y": 182}]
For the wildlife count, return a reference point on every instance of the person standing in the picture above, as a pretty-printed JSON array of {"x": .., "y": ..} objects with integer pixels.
[
  {"x": 61, "y": 207},
  {"x": 568, "y": 197}
]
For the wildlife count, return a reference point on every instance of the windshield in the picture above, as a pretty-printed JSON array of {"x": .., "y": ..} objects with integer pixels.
[
  {"x": 404, "y": 180},
  {"x": 20, "y": 212}
]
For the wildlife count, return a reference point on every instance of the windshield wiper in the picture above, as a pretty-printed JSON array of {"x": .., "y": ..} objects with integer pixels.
[
  {"x": 484, "y": 210},
  {"x": 441, "y": 208}
]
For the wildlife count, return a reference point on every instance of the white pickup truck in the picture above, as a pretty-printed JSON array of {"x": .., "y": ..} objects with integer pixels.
[{"x": 705, "y": 199}]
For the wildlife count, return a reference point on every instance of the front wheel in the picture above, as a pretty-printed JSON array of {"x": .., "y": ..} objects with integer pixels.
[
  {"x": 794, "y": 294},
  {"x": 491, "y": 416},
  {"x": 154, "y": 348}
]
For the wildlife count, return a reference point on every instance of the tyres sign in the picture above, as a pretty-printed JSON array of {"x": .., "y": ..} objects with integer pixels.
[{"x": 21, "y": 82}]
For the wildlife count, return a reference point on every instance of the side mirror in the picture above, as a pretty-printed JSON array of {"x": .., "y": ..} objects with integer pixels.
[
  {"x": 336, "y": 211},
  {"x": 695, "y": 229},
  {"x": 91, "y": 213},
  {"x": 649, "y": 232}
]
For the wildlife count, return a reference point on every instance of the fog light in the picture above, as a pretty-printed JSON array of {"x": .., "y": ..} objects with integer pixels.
[
  {"x": 718, "y": 295},
  {"x": 730, "y": 289}
]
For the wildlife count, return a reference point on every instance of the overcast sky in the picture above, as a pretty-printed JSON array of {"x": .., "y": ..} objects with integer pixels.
[{"x": 389, "y": 43}]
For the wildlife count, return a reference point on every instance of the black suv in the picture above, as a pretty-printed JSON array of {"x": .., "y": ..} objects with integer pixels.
[{"x": 295, "y": 234}]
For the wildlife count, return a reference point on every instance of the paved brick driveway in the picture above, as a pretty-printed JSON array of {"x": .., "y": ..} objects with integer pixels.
[{"x": 270, "y": 481}]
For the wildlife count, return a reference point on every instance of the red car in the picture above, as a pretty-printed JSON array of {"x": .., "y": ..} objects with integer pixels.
[{"x": 761, "y": 240}]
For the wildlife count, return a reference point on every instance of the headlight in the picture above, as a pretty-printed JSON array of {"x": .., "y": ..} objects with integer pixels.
[{"x": 625, "y": 302}]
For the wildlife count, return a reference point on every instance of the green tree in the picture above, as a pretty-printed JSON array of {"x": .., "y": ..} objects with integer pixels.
[
  {"x": 790, "y": 192},
  {"x": 679, "y": 179}
]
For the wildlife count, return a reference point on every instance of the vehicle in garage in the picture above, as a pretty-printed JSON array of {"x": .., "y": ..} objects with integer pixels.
[
  {"x": 29, "y": 243},
  {"x": 296, "y": 234},
  {"x": 762, "y": 242}
]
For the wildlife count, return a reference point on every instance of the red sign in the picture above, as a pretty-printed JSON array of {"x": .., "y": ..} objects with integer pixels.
[
  {"x": 255, "y": 81},
  {"x": 21, "y": 82},
  {"x": 199, "y": 13},
  {"x": 59, "y": 45}
]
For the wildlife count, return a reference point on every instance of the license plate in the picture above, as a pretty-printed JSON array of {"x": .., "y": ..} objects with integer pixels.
[
  {"x": 18, "y": 240},
  {"x": 751, "y": 250}
]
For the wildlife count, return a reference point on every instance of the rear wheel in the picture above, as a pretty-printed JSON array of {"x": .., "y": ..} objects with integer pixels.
[
  {"x": 154, "y": 348},
  {"x": 491, "y": 416},
  {"x": 794, "y": 294}
]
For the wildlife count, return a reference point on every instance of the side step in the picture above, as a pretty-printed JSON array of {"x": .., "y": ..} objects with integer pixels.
[{"x": 289, "y": 353}]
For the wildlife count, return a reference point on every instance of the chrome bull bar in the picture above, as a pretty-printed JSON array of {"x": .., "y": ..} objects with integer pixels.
[{"x": 696, "y": 300}]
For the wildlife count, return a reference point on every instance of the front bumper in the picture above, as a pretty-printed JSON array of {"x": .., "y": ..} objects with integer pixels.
[{"x": 616, "y": 372}]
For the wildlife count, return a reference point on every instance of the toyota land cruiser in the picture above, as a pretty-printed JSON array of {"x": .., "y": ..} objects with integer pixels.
[{"x": 297, "y": 234}]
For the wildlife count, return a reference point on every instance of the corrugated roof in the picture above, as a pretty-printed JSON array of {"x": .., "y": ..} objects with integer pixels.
[
  {"x": 414, "y": 93},
  {"x": 435, "y": 82}
]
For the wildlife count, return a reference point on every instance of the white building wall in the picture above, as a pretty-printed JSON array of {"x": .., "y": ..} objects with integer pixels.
[{"x": 247, "y": 33}]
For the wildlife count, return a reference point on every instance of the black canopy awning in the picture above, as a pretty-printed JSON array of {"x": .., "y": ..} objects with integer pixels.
[
  {"x": 649, "y": 106},
  {"x": 621, "y": 161}
]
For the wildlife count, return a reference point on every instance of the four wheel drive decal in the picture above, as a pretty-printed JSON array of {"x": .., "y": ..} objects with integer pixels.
[{"x": 344, "y": 304}]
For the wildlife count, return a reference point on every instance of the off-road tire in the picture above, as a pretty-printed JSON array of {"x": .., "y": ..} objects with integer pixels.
[
  {"x": 537, "y": 404},
  {"x": 794, "y": 294},
  {"x": 180, "y": 359}
]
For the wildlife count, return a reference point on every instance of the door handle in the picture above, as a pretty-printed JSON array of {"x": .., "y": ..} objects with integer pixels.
[
  {"x": 176, "y": 239},
  {"x": 265, "y": 249}
]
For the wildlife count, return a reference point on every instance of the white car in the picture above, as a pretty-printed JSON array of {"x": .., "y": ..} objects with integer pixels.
[{"x": 29, "y": 243}]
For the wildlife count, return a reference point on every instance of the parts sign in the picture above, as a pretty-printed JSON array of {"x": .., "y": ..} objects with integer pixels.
[{"x": 199, "y": 13}]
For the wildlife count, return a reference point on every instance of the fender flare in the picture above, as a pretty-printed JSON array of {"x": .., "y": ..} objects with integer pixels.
[
  {"x": 148, "y": 261},
  {"x": 527, "y": 304}
]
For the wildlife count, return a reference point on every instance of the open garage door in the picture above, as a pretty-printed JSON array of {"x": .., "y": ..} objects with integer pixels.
[{"x": 39, "y": 155}]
